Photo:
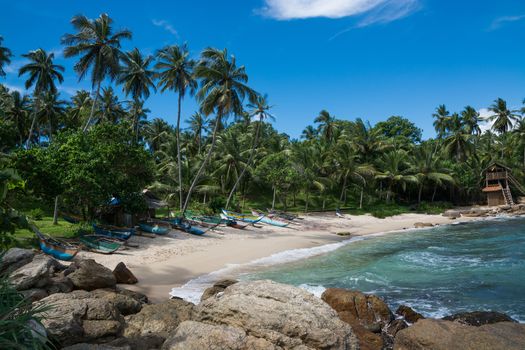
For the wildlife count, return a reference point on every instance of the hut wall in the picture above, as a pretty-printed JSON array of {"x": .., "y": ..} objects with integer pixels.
[{"x": 495, "y": 198}]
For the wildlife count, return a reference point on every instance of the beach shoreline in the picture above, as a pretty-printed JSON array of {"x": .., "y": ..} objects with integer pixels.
[{"x": 163, "y": 263}]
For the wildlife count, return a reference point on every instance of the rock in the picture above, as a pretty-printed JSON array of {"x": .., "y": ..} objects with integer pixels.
[
  {"x": 158, "y": 319},
  {"x": 479, "y": 318},
  {"x": 34, "y": 274},
  {"x": 448, "y": 335},
  {"x": 124, "y": 275},
  {"x": 15, "y": 258},
  {"x": 371, "y": 312},
  {"x": 34, "y": 294},
  {"x": 124, "y": 303},
  {"x": 218, "y": 287},
  {"x": 283, "y": 315},
  {"x": 89, "y": 275},
  {"x": 80, "y": 316},
  {"x": 408, "y": 314},
  {"x": 86, "y": 346},
  {"x": 192, "y": 335},
  {"x": 141, "y": 298},
  {"x": 141, "y": 343},
  {"x": 453, "y": 214},
  {"x": 423, "y": 224},
  {"x": 59, "y": 284},
  {"x": 395, "y": 326}
]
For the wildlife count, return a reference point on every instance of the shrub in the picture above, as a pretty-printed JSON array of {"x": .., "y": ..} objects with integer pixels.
[{"x": 36, "y": 214}]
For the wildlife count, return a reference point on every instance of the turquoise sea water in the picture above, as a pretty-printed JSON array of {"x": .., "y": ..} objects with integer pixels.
[{"x": 444, "y": 270}]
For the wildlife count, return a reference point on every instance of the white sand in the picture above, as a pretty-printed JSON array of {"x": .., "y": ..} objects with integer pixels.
[{"x": 164, "y": 262}]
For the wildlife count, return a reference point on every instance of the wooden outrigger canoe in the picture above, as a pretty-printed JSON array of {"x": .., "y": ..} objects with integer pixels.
[
  {"x": 114, "y": 232},
  {"x": 251, "y": 219},
  {"x": 270, "y": 221},
  {"x": 99, "y": 244},
  {"x": 156, "y": 229},
  {"x": 55, "y": 248},
  {"x": 184, "y": 225}
]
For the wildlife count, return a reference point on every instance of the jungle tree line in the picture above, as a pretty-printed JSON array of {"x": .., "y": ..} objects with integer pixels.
[{"x": 229, "y": 152}]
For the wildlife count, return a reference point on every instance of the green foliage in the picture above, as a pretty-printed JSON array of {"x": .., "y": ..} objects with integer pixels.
[
  {"x": 402, "y": 130},
  {"x": 217, "y": 203},
  {"x": 36, "y": 214},
  {"x": 10, "y": 219}
]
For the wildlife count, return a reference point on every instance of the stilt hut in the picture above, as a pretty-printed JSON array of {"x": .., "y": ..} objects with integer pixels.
[
  {"x": 497, "y": 184},
  {"x": 153, "y": 203}
]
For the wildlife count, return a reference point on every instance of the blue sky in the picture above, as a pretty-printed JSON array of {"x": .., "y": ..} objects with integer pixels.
[{"x": 355, "y": 58}]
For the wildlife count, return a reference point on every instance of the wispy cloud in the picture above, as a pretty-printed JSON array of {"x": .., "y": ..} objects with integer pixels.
[
  {"x": 15, "y": 65},
  {"x": 167, "y": 26},
  {"x": 379, "y": 11},
  {"x": 501, "y": 21},
  {"x": 484, "y": 115},
  {"x": 20, "y": 89}
]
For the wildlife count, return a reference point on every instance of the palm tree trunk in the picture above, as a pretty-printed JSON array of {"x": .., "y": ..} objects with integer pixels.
[
  {"x": 55, "y": 212},
  {"x": 35, "y": 112},
  {"x": 92, "y": 108},
  {"x": 204, "y": 163},
  {"x": 419, "y": 195},
  {"x": 361, "y": 199},
  {"x": 252, "y": 155},
  {"x": 179, "y": 163},
  {"x": 434, "y": 194},
  {"x": 306, "y": 204},
  {"x": 343, "y": 190},
  {"x": 273, "y": 201}
]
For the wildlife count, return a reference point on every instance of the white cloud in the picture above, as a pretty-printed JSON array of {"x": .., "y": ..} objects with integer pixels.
[
  {"x": 167, "y": 26},
  {"x": 501, "y": 21},
  {"x": 20, "y": 89},
  {"x": 484, "y": 115},
  {"x": 380, "y": 11}
]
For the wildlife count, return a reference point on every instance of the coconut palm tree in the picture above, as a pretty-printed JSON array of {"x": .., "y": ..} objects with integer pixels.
[
  {"x": 42, "y": 75},
  {"x": 5, "y": 57},
  {"x": 366, "y": 140},
  {"x": 393, "y": 168},
  {"x": 198, "y": 124},
  {"x": 78, "y": 110},
  {"x": 442, "y": 116},
  {"x": 99, "y": 48},
  {"x": 519, "y": 131},
  {"x": 140, "y": 115},
  {"x": 51, "y": 112},
  {"x": 110, "y": 108},
  {"x": 458, "y": 140},
  {"x": 175, "y": 73},
  {"x": 502, "y": 117},
  {"x": 19, "y": 112},
  {"x": 326, "y": 125},
  {"x": 259, "y": 110},
  {"x": 309, "y": 133},
  {"x": 470, "y": 119},
  {"x": 156, "y": 133},
  {"x": 137, "y": 79},
  {"x": 223, "y": 90}
]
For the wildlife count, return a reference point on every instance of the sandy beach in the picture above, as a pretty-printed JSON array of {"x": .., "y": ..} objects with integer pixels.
[{"x": 165, "y": 262}]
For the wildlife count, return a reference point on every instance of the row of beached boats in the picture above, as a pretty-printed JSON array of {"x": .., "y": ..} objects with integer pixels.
[{"x": 108, "y": 239}]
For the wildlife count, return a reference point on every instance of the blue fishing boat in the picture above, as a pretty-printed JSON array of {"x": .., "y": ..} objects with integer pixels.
[
  {"x": 55, "y": 248},
  {"x": 270, "y": 221},
  {"x": 185, "y": 226},
  {"x": 156, "y": 229},
  {"x": 120, "y": 233},
  {"x": 252, "y": 219}
]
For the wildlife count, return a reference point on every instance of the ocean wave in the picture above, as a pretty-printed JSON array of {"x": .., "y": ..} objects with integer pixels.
[{"x": 314, "y": 289}]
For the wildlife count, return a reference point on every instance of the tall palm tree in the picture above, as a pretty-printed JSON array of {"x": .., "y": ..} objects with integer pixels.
[
  {"x": 5, "y": 57},
  {"x": 51, "y": 112},
  {"x": 470, "y": 119},
  {"x": 442, "y": 116},
  {"x": 156, "y": 133},
  {"x": 309, "y": 133},
  {"x": 99, "y": 48},
  {"x": 175, "y": 73},
  {"x": 137, "y": 79},
  {"x": 393, "y": 168},
  {"x": 223, "y": 90},
  {"x": 140, "y": 115},
  {"x": 79, "y": 109},
  {"x": 42, "y": 75},
  {"x": 111, "y": 109},
  {"x": 519, "y": 131},
  {"x": 19, "y": 111},
  {"x": 259, "y": 110},
  {"x": 458, "y": 140},
  {"x": 326, "y": 125},
  {"x": 502, "y": 117},
  {"x": 198, "y": 124}
]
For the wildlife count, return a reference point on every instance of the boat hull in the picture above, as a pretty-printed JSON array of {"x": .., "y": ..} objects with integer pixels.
[
  {"x": 241, "y": 217},
  {"x": 99, "y": 244},
  {"x": 154, "y": 229},
  {"x": 58, "y": 252},
  {"x": 122, "y": 234}
]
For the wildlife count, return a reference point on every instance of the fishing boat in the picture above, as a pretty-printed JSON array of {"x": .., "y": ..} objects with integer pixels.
[
  {"x": 251, "y": 219},
  {"x": 153, "y": 228},
  {"x": 233, "y": 223},
  {"x": 57, "y": 249},
  {"x": 283, "y": 215},
  {"x": 270, "y": 220},
  {"x": 184, "y": 225},
  {"x": 114, "y": 232},
  {"x": 99, "y": 244}
]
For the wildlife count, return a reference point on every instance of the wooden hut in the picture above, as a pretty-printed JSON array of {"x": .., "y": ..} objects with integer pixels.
[
  {"x": 497, "y": 184},
  {"x": 153, "y": 203}
]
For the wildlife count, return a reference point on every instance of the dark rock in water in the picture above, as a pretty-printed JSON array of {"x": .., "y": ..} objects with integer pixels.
[
  {"x": 408, "y": 314},
  {"x": 158, "y": 319},
  {"x": 34, "y": 294},
  {"x": 479, "y": 318},
  {"x": 448, "y": 335},
  {"x": 15, "y": 258},
  {"x": 35, "y": 274},
  {"x": 395, "y": 326},
  {"x": 123, "y": 275},
  {"x": 89, "y": 275},
  {"x": 218, "y": 287},
  {"x": 285, "y": 316}
]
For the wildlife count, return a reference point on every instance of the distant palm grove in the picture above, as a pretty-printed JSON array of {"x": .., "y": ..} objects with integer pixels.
[{"x": 78, "y": 153}]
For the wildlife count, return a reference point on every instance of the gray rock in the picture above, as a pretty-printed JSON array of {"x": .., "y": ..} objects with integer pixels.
[
  {"x": 218, "y": 287},
  {"x": 408, "y": 314},
  {"x": 453, "y": 214},
  {"x": 283, "y": 315},
  {"x": 35, "y": 274},
  {"x": 86, "y": 346},
  {"x": 15, "y": 258},
  {"x": 124, "y": 303},
  {"x": 59, "y": 284},
  {"x": 447, "y": 335},
  {"x": 34, "y": 294},
  {"x": 89, "y": 275},
  {"x": 141, "y": 298},
  {"x": 479, "y": 318},
  {"x": 123, "y": 275},
  {"x": 158, "y": 319}
]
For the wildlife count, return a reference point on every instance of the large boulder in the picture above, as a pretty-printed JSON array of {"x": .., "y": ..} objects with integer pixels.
[
  {"x": 124, "y": 275},
  {"x": 89, "y": 275},
  {"x": 408, "y": 314},
  {"x": 35, "y": 274},
  {"x": 218, "y": 287},
  {"x": 158, "y": 319},
  {"x": 59, "y": 284},
  {"x": 192, "y": 335},
  {"x": 126, "y": 304},
  {"x": 479, "y": 318},
  {"x": 15, "y": 258},
  {"x": 452, "y": 214},
  {"x": 432, "y": 334},
  {"x": 34, "y": 294},
  {"x": 283, "y": 315},
  {"x": 80, "y": 316}
]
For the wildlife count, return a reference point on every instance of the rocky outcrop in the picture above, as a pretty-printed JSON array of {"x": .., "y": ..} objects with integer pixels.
[
  {"x": 35, "y": 274},
  {"x": 423, "y": 224},
  {"x": 285, "y": 316},
  {"x": 15, "y": 258},
  {"x": 452, "y": 214},
  {"x": 432, "y": 334},
  {"x": 123, "y": 275},
  {"x": 158, "y": 319},
  {"x": 89, "y": 275},
  {"x": 125, "y": 304},
  {"x": 218, "y": 287},
  {"x": 367, "y": 314},
  {"x": 408, "y": 314},
  {"x": 479, "y": 318}
]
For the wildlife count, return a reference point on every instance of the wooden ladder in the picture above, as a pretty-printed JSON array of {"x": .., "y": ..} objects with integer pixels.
[{"x": 508, "y": 196}]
